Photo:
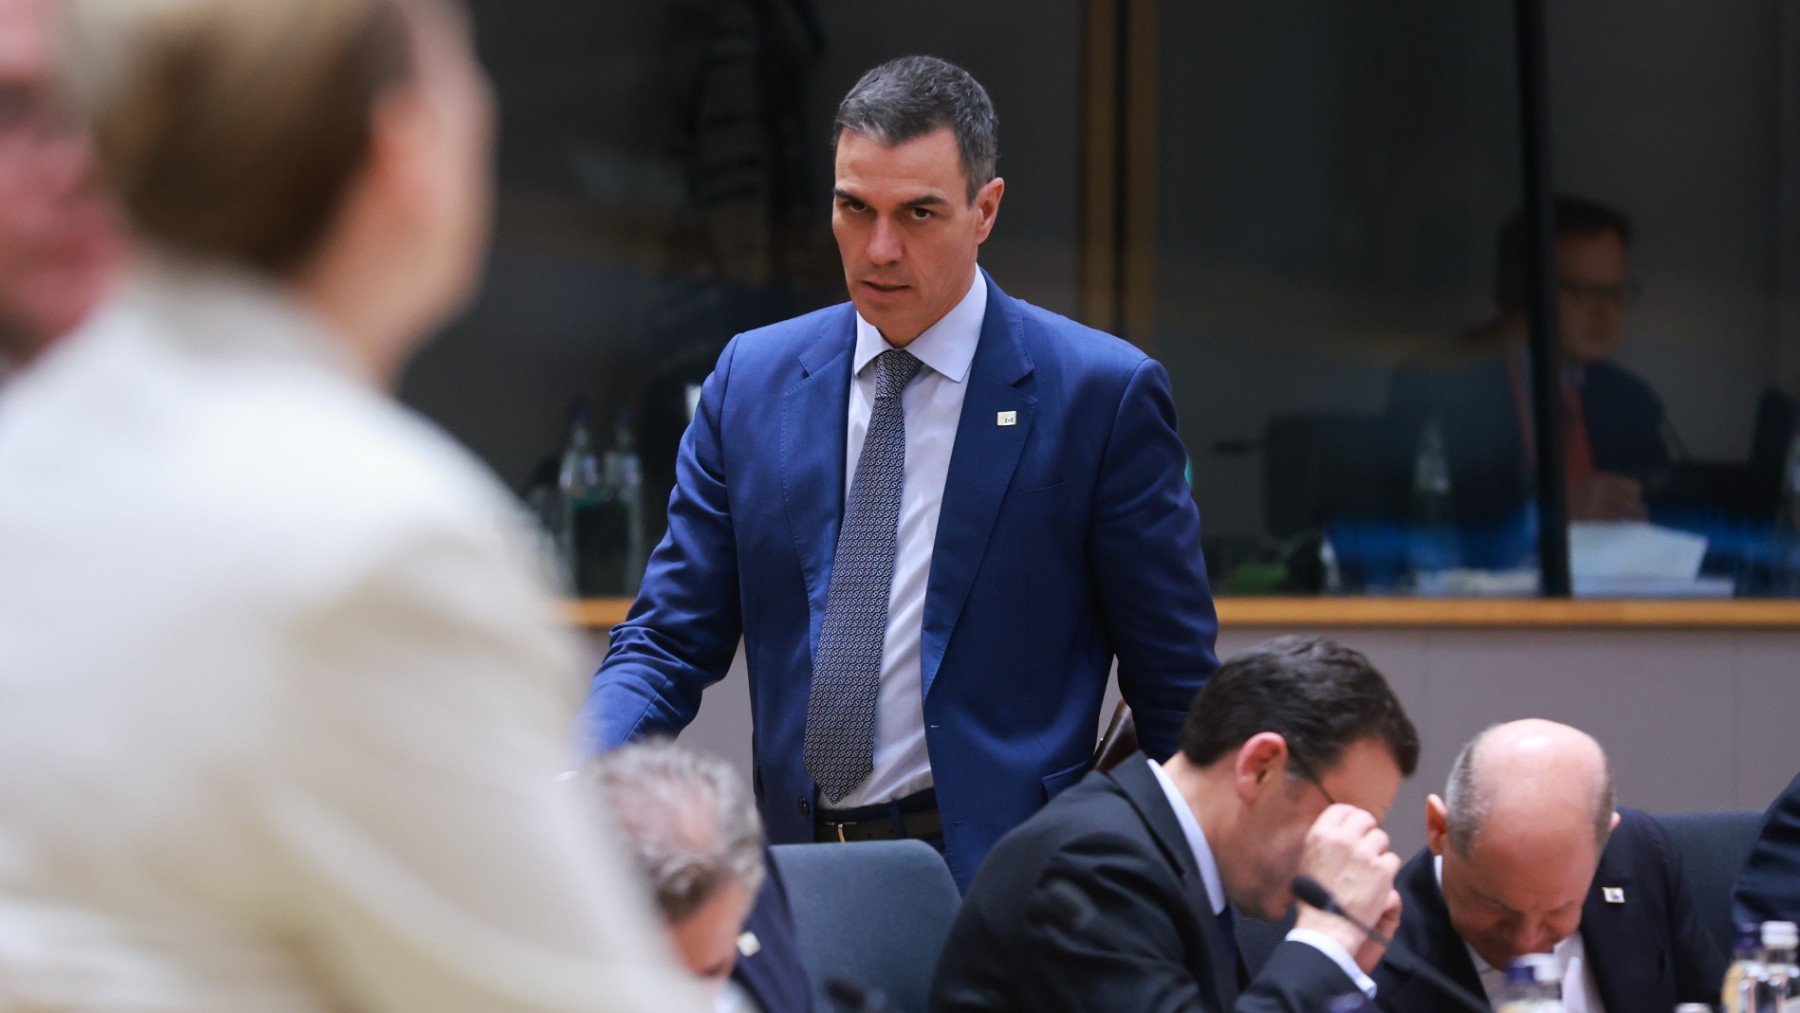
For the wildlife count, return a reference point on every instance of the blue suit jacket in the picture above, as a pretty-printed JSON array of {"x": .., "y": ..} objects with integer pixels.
[
  {"x": 1648, "y": 952},
  {"x": 1769, "y": 889},
  {"x": 1063, "y": 540}
]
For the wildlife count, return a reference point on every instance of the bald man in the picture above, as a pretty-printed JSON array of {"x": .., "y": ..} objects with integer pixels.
[{"x": 1526, "y": 854}]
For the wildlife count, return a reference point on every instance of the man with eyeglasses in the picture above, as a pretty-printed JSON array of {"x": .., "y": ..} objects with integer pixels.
[
  {"x": 1120, "y": 894},
  {"x": 59, "y": 238},
  {"x": 1479, "y": 393}
]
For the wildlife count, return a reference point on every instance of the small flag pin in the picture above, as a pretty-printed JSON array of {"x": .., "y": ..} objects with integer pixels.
[
  {"x": 1006, "y": 419},
  {"x": 1613, "y": 894}
]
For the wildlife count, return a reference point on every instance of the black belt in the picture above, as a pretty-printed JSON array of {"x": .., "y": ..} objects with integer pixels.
[{"x": 916, "y": 815}]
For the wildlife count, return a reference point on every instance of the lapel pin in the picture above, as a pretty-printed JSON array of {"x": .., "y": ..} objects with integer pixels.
[
  {"x": 1006, "y": 419},
  {"x": 748, "y": 945},
  {"x": 1613, "y": 894}
]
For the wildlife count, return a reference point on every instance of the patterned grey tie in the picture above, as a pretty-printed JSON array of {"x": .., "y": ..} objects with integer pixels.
[{"x": 840, "y": 713}]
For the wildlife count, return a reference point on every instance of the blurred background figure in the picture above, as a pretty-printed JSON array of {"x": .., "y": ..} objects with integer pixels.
[
  {"x": 282, "y": 718},
  {"x": 694, "y": 834},
  {"x": 1479, "y": 394},
  {"x": 59, "y": 242}
]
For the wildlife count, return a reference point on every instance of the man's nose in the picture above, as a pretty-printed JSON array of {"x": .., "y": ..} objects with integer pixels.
[{"x": 885, "y": 246}]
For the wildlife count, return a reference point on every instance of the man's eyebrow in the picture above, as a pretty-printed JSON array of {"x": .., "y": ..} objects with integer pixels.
[{"x": 927, "y": 201}]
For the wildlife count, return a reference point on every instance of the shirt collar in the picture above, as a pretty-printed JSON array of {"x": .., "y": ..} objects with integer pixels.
[
  {"x": 946, "y": 347},
  {"x": 1196, "y": 838}
]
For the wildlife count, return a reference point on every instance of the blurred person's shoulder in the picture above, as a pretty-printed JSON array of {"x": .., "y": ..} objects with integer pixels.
[{"x": 232, "y": 422}]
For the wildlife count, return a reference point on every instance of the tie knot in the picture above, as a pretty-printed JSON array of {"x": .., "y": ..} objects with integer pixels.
[{"x": 894, "y": 369}]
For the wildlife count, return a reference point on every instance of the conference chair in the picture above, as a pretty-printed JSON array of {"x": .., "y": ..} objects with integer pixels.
[
  {"x": 1713, "y": 847},
  {"x": 871, "y": 913}
]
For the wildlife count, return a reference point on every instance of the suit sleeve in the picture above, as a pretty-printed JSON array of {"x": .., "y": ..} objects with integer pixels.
[
  {"x": 1145, "y": 552},
  {"x": 1769, "y": 887},
  {"x": 685, "y": 624}
]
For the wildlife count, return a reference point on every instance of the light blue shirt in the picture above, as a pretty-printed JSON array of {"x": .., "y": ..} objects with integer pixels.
[
  {"x": 1215, "y": 889},
  {"x": 933, "y": 402}
]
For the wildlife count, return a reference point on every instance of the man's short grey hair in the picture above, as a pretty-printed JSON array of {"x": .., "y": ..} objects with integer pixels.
[
  {"x": 912, "y": 96},
  {"x": 687, "y": 819},
  {"x": 1467, "y": 802}
]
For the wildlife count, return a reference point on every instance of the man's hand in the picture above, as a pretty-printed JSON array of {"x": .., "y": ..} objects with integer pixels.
[
  {"x": 1370, "y": 952},
  {"x": 1604, "y": 496},
  {"x": 1348, "y": 854}
]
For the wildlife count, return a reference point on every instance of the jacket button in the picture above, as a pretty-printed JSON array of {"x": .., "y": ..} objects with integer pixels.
[{"x": 805, "y": 806}]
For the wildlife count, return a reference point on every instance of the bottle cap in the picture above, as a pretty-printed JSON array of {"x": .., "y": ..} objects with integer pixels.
[
  {"x": 1544, "y": 967},
  {"x": 1520, "y": 972},
  {"x": 1780, "y": 935}
]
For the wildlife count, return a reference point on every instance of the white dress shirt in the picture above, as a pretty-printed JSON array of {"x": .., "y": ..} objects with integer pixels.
[
  {"x": 1215, "y": 889},
  {"x": 283, "y": 699},
  {"x": 1580, "y": 993},
  {"x": 933, "y": 404}
]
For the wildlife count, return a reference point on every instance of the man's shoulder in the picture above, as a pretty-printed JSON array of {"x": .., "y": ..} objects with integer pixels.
[
  {"x": 1075, "y": 342},
  {"x": 1093, "y": 818},
  {"x": 1639, "y": 840},
  {"x": 786, "y": 340}
]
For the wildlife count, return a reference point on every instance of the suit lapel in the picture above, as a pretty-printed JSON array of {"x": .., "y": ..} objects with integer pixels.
[
  {"x": 813, "y": 426},
  {"x": 981, "y": 468},
  {"x": 1145, "y": 792},
  {"x": 1610, "y": 928}
]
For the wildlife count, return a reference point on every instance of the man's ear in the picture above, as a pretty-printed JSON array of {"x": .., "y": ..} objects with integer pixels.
[
  {"x": 987, "y": 207},
  {"x": 1260, "y": 764},
  {"x": 1437, "y": 824}
]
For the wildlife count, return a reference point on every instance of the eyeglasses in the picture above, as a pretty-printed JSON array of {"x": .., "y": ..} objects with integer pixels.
[
  {"x": 1622, "y": 294},
  {"x": 1307, "y": 772}
]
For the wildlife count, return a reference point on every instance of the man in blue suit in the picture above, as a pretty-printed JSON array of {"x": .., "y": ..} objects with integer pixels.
[
  {"x": 1769, "y": 888},
  {"x": 1526, "y": 854},
  {"x": 935, "y": 515}
]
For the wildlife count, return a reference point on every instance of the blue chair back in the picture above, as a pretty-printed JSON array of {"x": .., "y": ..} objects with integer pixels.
[
  {"x": 1713, "y": 847},
  {"x": 875, "y": 912}
]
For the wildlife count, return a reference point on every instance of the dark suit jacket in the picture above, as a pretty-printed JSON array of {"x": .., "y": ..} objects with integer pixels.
[
  {"x": 774, "y": 976},
  {"x": 1769, "y": 888},
  {"x": 1474, "y": 406},
  {"x": 1096, "y": 903},
  {"x": 1649, "y": 953},
  {"x": 1067, "y": 537}
]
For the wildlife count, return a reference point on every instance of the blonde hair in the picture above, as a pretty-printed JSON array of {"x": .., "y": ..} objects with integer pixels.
[{"x": 231, "y": 129}]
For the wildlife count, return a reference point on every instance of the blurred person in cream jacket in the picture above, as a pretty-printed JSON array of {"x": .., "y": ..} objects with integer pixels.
[{"x": 282, "y": 699}]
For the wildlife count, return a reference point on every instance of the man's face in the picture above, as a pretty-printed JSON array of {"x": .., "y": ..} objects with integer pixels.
[
  {"x": 906, "y": 229},
  {"x": 706, "y": 940},
  {"x": 1593, "y": 283},
  {"x": 1260, "y": 882},
  {"x": 1516, "y": 891},
  {"x": 59, "y": 239}
]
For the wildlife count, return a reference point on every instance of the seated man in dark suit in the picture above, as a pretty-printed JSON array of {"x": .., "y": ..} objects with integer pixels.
[
  {"x": 694, "y": 835},
  {"x": 1527, "y": 855},
  {"x": 1478, "y": 394},
  {"x": 1114, "y": 895},
  {"x": 1769, "y": 889}
]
